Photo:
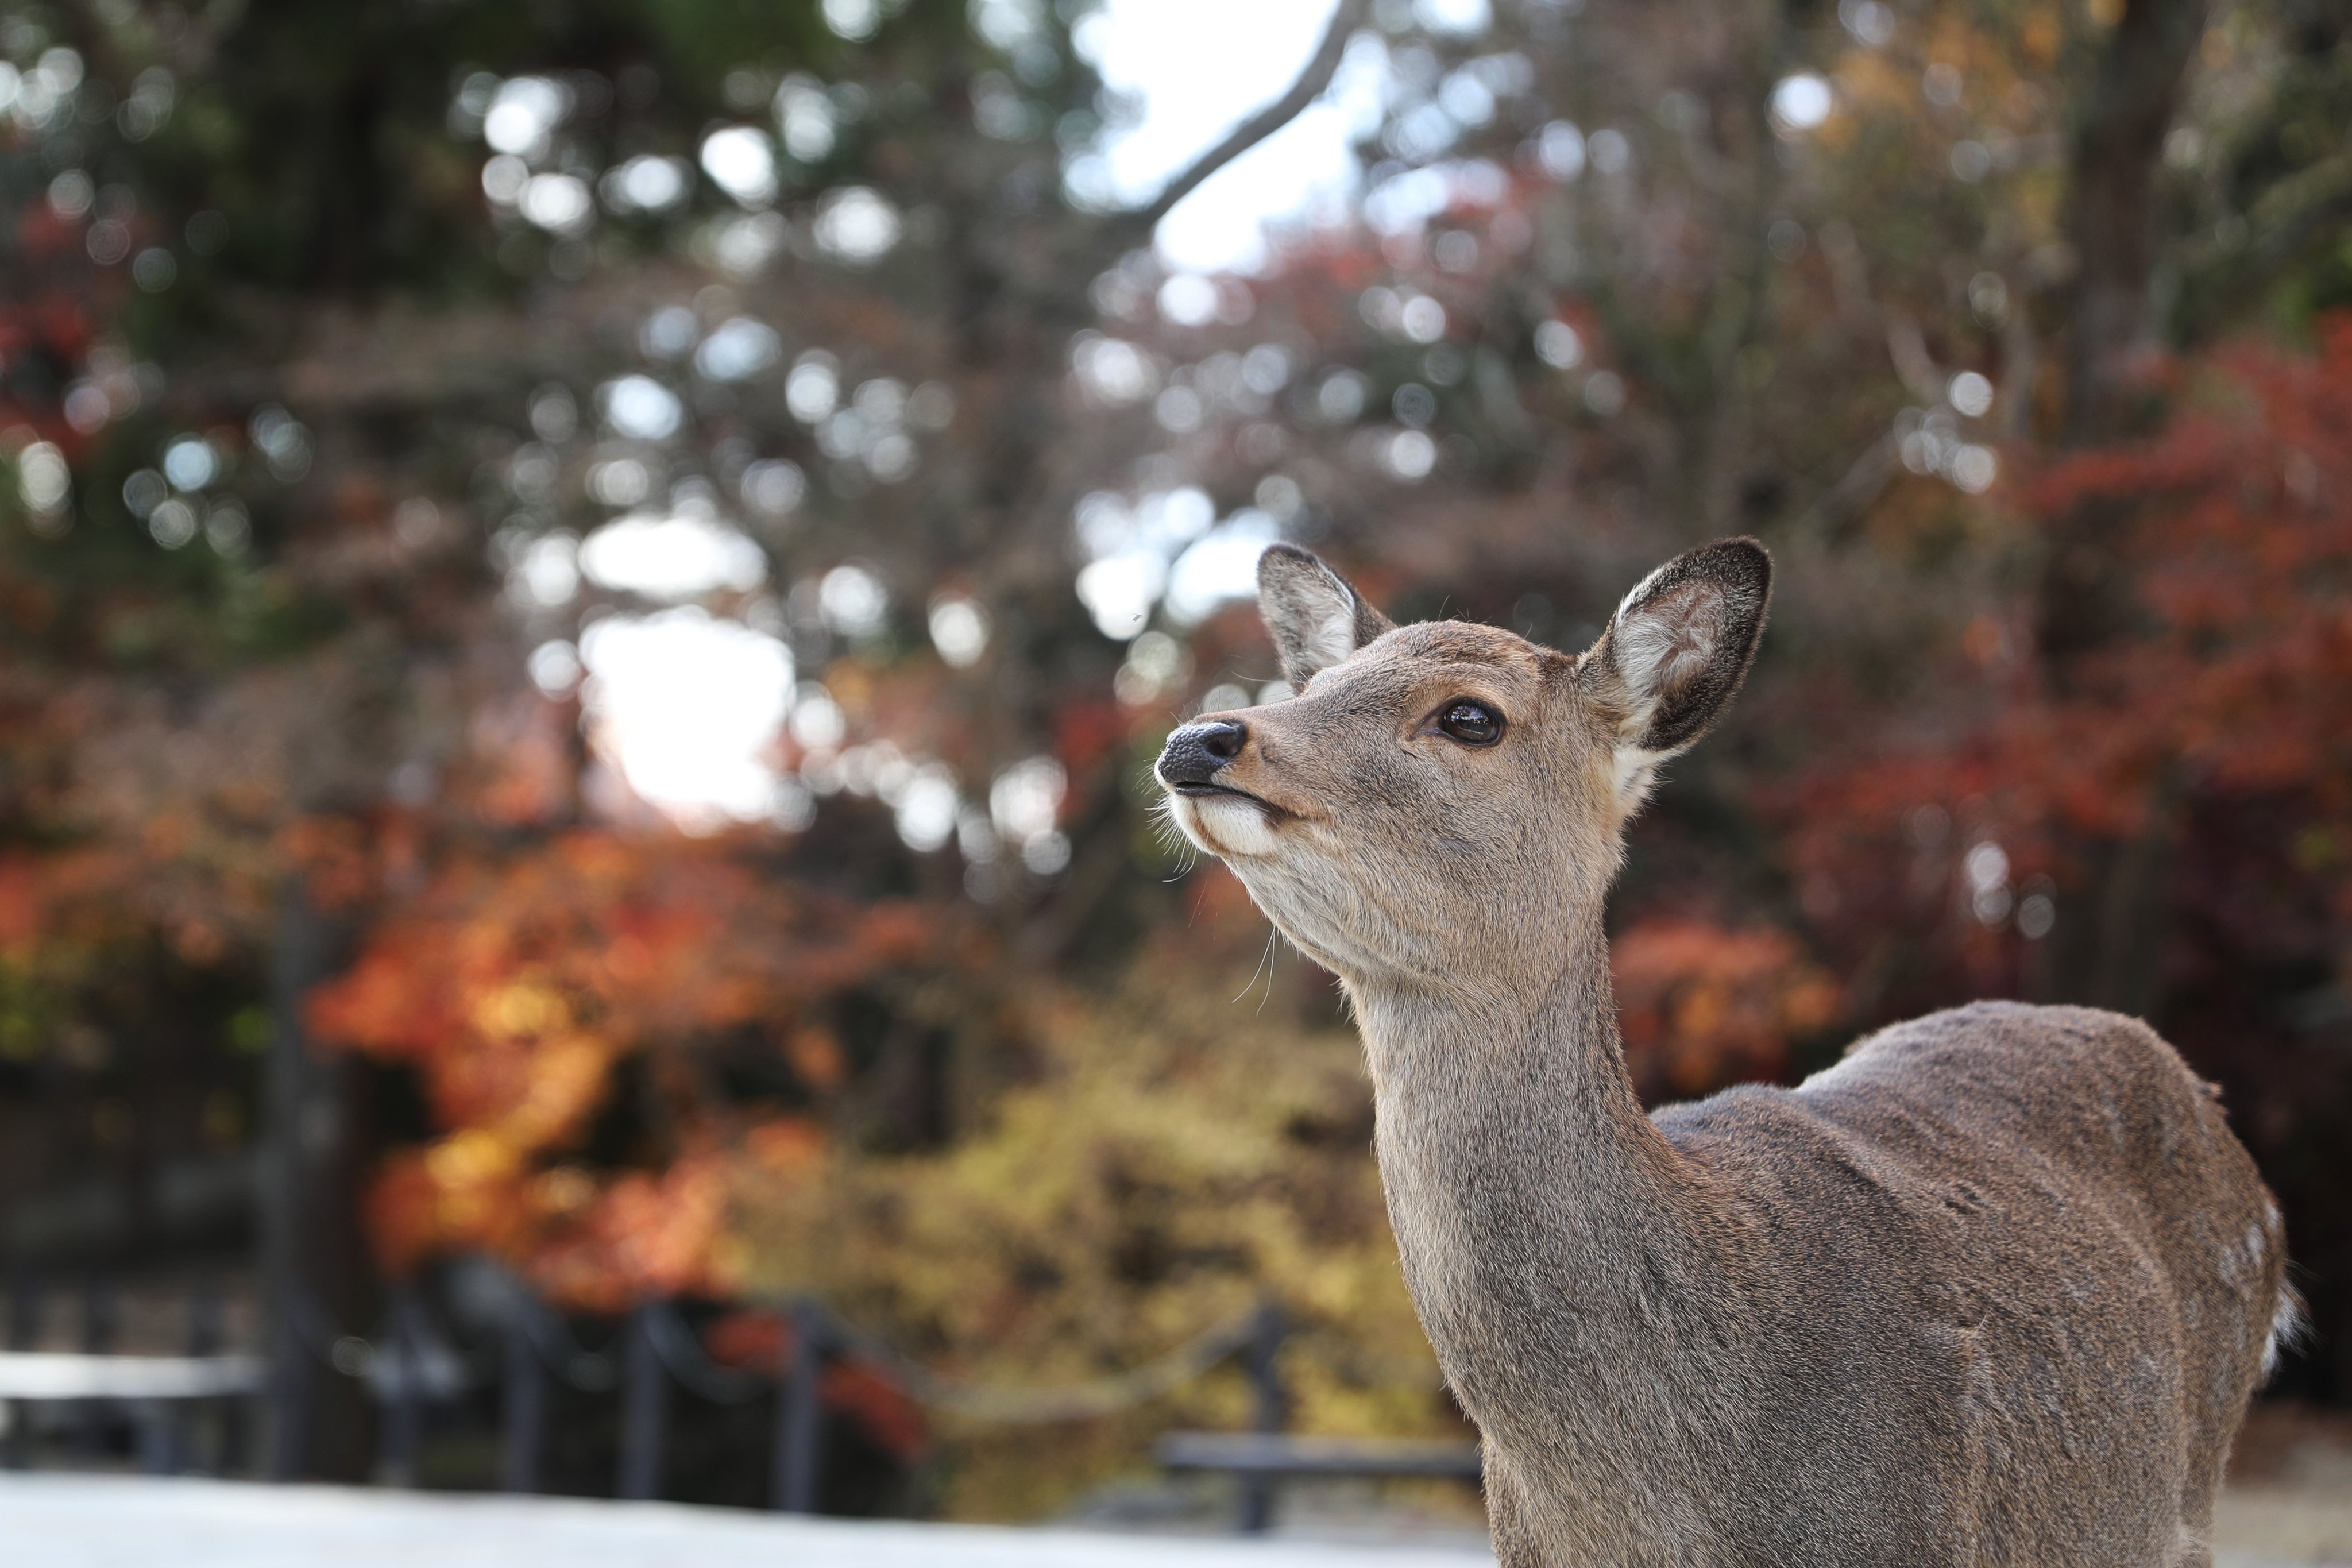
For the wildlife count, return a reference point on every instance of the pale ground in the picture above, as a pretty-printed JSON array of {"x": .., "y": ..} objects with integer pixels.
[
  {"x": 2290, "y": 1497},
  {"x": 2290, "y": 1506},
  {"x": 56, "y": 1521}
]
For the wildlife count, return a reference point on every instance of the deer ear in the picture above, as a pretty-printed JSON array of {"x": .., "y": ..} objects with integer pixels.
[
  {"x": 1315, "y": 617},
  {"x": 1676, "y": 651}
]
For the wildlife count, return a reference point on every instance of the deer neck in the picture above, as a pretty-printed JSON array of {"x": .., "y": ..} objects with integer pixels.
[{"x": 1551, "y": 1235}]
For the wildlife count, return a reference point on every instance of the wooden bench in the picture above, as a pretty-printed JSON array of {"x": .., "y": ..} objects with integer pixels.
[
  {"x": 154, "y": 1390},
  {"x": 1262, "y": 1461},
  {"x": 31, "y": 1376}
]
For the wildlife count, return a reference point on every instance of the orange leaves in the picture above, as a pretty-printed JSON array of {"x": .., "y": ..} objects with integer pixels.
[
  {"x": 514, "y": 986},
  {"x": 375, "y": 1007},
  {"x": 584, "y": 935},
  {"x": 816, "y": 1057},
  {"x": 644, "y": 1235},
  {"x": 521, "y": 764},
  {"x": 336, "y": 858},
  {"x": 70, "y": 901},
  {"x": 533, "y": 1094},
  {"x": 785, "y": 1146},
  {"x": 1703, "y": 1006},
  {"x": 404, "y": 1218},
  {"x": 590, "y": 1245}
]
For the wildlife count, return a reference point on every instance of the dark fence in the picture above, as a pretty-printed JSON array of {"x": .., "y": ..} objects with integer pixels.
[{"x": 205, "y": 1410}]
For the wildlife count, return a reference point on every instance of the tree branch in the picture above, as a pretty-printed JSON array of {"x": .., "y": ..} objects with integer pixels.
[{"x": 1344, "y": 20}]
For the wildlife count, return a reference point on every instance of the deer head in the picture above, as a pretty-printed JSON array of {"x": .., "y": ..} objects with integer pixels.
[{"x": 1446, "y": 801}]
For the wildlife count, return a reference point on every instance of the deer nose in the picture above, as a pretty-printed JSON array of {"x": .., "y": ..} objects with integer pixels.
[{"x": 1197, "y": 750}]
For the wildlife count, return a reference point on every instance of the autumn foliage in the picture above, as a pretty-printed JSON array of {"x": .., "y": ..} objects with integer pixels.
[
  {"x": 307, "y": 765},
  {"x": 2223, "y": 700},
  {"x": 1702, "y": 1006},
  {"x": 514, "y": 986}
]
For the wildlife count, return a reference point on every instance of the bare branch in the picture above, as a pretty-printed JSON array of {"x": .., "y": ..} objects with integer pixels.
[
  {"x": 1855, "y": 493},
  {"x": 1263, "y": 124}
]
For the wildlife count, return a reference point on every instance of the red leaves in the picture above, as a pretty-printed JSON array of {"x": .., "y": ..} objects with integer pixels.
[
  {"x": 866, "y": 1394},
  {"x": 20, "y": 903},
  {"x": 1703, "y": 1006},
  {"x": 2239, "y": 532},
  {"x": 853, "y": 1386},
  {"x": 2227, "y": 678}
]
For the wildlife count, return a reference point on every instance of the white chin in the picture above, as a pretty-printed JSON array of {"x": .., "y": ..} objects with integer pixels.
[{"x": 1225, "y": 826}]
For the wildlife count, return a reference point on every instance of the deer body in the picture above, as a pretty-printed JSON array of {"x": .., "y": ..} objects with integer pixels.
[{"x": 1994, "y": 1290}]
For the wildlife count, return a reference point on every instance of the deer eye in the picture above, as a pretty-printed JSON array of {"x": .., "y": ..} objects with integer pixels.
[{"x": 1472, "y": 723}]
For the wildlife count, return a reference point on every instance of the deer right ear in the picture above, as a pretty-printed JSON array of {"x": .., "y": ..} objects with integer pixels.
[
  {"x": 1675, "y": 652},
  {"x": 1316, "y": 617}
]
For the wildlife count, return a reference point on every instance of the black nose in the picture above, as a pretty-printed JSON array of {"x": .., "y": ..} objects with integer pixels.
[{"x": 1196, "y": 751}]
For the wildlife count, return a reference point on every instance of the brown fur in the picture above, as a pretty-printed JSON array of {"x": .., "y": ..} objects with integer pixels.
[{"x": 1994, "y": 1290}]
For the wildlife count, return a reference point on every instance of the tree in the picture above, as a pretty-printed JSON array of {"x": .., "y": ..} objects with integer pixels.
[
  {"x": 329, "y": 342},
  {"x": 382, "y": 392}
]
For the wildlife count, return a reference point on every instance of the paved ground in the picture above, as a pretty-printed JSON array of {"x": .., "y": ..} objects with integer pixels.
[
  {"x": 53, "y": 1521},
  {"x": 2292, "y": 1512},
  {"x": 2290, "y": 1496},
  {"x": 2263, "y": 1527}
]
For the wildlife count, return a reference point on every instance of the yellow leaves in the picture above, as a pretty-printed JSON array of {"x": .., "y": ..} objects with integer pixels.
[
  {"x": 567, "y": 1078},
  {"x": 460, "y": 1191},
  {"x": 563, "y": 1192},
  {"x": 1812, "y": 1001},
  {"x": 470, "y": 1159},
  {"x": 515, "y": 1012},
  {"x": 1174, "y": 1157},
  {"x": 853, "y": 684}
]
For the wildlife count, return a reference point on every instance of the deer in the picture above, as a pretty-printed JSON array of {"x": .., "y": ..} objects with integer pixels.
[{"x": 1997, "y": 1287}]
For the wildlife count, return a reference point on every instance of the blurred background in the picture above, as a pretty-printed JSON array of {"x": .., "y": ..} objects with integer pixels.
[{"x": 587, "y": 590}]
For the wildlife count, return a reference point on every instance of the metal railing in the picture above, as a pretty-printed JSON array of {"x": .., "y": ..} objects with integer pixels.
[
  {"x": 416, "y": 1364},
  {"x": 655, "y": 1352}
]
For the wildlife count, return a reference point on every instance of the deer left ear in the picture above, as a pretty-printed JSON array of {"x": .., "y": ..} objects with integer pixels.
[
  {"x": 1675, "y": 652},
  {"x": 1315, "y": 617}
]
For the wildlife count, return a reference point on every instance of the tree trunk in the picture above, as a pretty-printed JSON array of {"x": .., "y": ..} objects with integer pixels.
[
  {"x": 2106, "y": 954},
  {"x": 2118, "y": 147},
  {"x": 314, "y": 1266}
]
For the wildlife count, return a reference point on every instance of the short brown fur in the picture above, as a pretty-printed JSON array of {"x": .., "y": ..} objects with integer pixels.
[{"x": 1996, "y": 1288}]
